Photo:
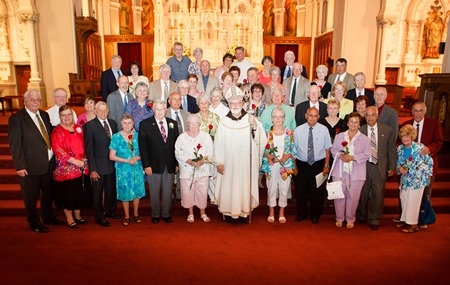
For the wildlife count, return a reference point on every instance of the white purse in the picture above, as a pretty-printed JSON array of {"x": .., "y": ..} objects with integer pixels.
[{"x": 334, "y": 188}]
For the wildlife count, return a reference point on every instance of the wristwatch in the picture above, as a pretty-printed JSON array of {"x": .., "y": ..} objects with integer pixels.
[{"x": 326, "y": 165}]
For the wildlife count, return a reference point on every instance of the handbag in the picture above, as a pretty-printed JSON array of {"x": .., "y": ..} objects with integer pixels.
[
  {"x": 334, "y": 188},
  {"x": 426, "y": 214}
]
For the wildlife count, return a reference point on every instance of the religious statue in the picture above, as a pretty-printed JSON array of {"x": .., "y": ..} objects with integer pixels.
[
  {"x": 146, "y": 17},
  {"x": 268, "y": 18},
  {"x": 433, "y": 31},
  {"x": 124, "y": 17},
  {"x": 291, "y": 22}
]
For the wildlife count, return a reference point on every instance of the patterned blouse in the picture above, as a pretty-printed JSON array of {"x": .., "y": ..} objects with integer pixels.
[
  {"x": 193, "y": 69},
  {"x": 139, "y": 113},
  {"x": 420, "y": 167},
  {"x": 258, "y": 110},
  {"x": 209, "y": 126},
  {"x": 289, "y": 148}
]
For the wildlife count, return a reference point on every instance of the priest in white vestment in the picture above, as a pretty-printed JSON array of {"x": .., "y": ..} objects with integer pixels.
[{"x": 232, "y": 156}]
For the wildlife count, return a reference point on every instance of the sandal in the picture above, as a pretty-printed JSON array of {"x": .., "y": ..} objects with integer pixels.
[
  {"x": 126, "y": 222},
  {"x": 350, "y": 225},
  {"x": 282, "y": 220},
  {"x": 400, "y": 225},
  {"x": 339, "y": 224},
  {"x": 81, "y": 221},
  {"x": 137, "y": 219},
  {"x": 205, "y": 218},
  {"x": 190, "y": 219},
  {"x": 411, "y": 230},
  {"x": 73, "y": 225},
  {"x": 271, "y": 219}
]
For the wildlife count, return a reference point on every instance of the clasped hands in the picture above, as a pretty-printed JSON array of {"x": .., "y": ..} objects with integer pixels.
[
  {"x": 133, "y": 160},
  {"x": 195, "y": 163}
]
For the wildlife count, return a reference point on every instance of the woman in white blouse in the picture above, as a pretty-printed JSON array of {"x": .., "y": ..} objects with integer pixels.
[{"x": 192, "y": 150}]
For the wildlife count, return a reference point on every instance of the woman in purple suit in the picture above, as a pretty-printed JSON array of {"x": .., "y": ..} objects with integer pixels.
[{"x": 351, "y": 150}]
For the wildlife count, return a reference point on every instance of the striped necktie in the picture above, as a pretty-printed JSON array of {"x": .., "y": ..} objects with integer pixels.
[{"x": 373, "y": 147}]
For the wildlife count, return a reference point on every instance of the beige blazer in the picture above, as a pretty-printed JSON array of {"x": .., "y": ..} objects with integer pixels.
[{"x": 154, "y": 90}]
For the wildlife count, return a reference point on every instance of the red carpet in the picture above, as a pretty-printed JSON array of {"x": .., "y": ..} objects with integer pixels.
[{"x": 220, "y": 253}]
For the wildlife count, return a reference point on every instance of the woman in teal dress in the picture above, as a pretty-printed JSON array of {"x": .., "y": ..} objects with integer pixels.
[{"x": 124, "y": 150}]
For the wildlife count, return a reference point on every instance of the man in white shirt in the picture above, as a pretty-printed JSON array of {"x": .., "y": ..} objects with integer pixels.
[
  {"x": 60, "y": 98},
  {"x": 161, "y": 88},
  {"x": 242, "y": 63},
  {"x": 118, "y": 100},
  {"x": 296, "y": 86},
  {"x": 342, "y": 74}
]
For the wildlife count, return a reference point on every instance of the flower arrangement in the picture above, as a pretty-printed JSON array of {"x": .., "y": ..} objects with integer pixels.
[{"x": 345, "y": 146}]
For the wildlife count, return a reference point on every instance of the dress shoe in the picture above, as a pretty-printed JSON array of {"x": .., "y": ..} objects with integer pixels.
[
  {"x": 230, "y": 220},
  {"x": 155, "y": 220},
  {"x": 39, "y": 228},
  {"x": 374, "y": 227},
  {"x": 114, "y": 216},
  {"x": 103, "y": 223},
  {"x": 299, "y": 219},
  {"x": 315, "y": 221},
  {"x": 167, "y": 219},
  {"x": 81, "y": 221},
  {"x": 243, "y": 220},
  {"x": 54, "y": 222},
  {"x": 73, "y": 226}
]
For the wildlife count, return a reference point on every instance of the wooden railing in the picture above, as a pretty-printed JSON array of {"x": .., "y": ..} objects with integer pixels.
[{"x": 323, "y": 47}]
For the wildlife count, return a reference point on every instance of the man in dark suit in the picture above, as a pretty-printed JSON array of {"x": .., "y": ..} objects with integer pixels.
[
  {"x": 429, "y": 133},
  {"x": 188, "y": 102},
  {"x": 386, "y": 114},
  {"x": 157, "y": 136},
  {"x": 118, "y": 100},
  {"x": 286, "y": 71},
  {"x": 30, "y": 143},
  {"x": 302, "y": 108},
  {"x": 359, "y": 90},
  {"x": 380, "y": 165},
  {"x": 108, "y": 81},
  {"x": 97, "y": 136}
]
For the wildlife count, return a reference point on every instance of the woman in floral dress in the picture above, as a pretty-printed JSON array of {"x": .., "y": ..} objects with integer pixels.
[{"x": 124, "y": 150}]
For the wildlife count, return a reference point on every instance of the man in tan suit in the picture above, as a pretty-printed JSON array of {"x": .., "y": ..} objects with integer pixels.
[
  {"x": 161, "y": 88},
  {"x": 342, "y": 74},
  {"x": 298, "y": 83},
  {"x": 206, "y": 81}
]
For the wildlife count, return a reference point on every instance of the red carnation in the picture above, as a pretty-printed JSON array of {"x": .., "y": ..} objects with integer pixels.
[
  {"x": 338, "y": 130},
  {"x": 410, "y": 158},
  {"x": 245, "y": 81},
  {"x": 210, "y": 127},
  {"x": 131, "y": 83},
  {"x": 253, "y": 106},
  {"x": 267, "y": 146},
  {"x": 130, "y": 137},
  {"x": 150, "y": 104},
  {"x": 344, "y": 143},
  {"x": 199, "y": 146}
]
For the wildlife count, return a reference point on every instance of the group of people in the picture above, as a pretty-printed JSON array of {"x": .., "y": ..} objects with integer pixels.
[{"x": 216, "y": 138}]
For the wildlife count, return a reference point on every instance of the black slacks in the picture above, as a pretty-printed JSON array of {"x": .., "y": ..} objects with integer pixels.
[
  {"x": 105, "y": 186},
  {"x": 306, "y": 190}
]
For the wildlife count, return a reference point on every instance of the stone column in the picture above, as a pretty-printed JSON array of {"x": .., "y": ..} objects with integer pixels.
[
  {"x": 137, "y": 21},
  {"x": 5, "y": 54},
  {"x": 385, "y": 25},
  {"x": 446, "y": 60},
  {"x": 279, "y": 22},
  {"x": 257, "y": 49},
  {"x": 411, "y": 42},
  {"x": 29, "y": 17},
  {"x": 114, "y": 18},
  {"x": 159, "y": 55},
  {"x": 330, "y": 15}
]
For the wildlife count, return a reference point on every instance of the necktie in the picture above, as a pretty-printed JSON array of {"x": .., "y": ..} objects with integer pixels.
[
  {"x": 310, "y": 147},
  {"x": 373, "y": 147},
  {"x": 180, "y": 125},
  {"x": 106, "y": 127},
  {"x": 294, "y": 88},
  {"x": 163, "y": 131},
  {"x": 359, "y": 93},
  {"x": 44, "y": 132},
  {"x": 125, "y": 101},
  {"x": 185, "y": 107},
  {"x": 417, "y": 137},
  {"x": 338, "y": 79},
  {"x": 116, "y": 74},
  {"x": 289, "y": 73},
  {"x": 166, "y": 90}
]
